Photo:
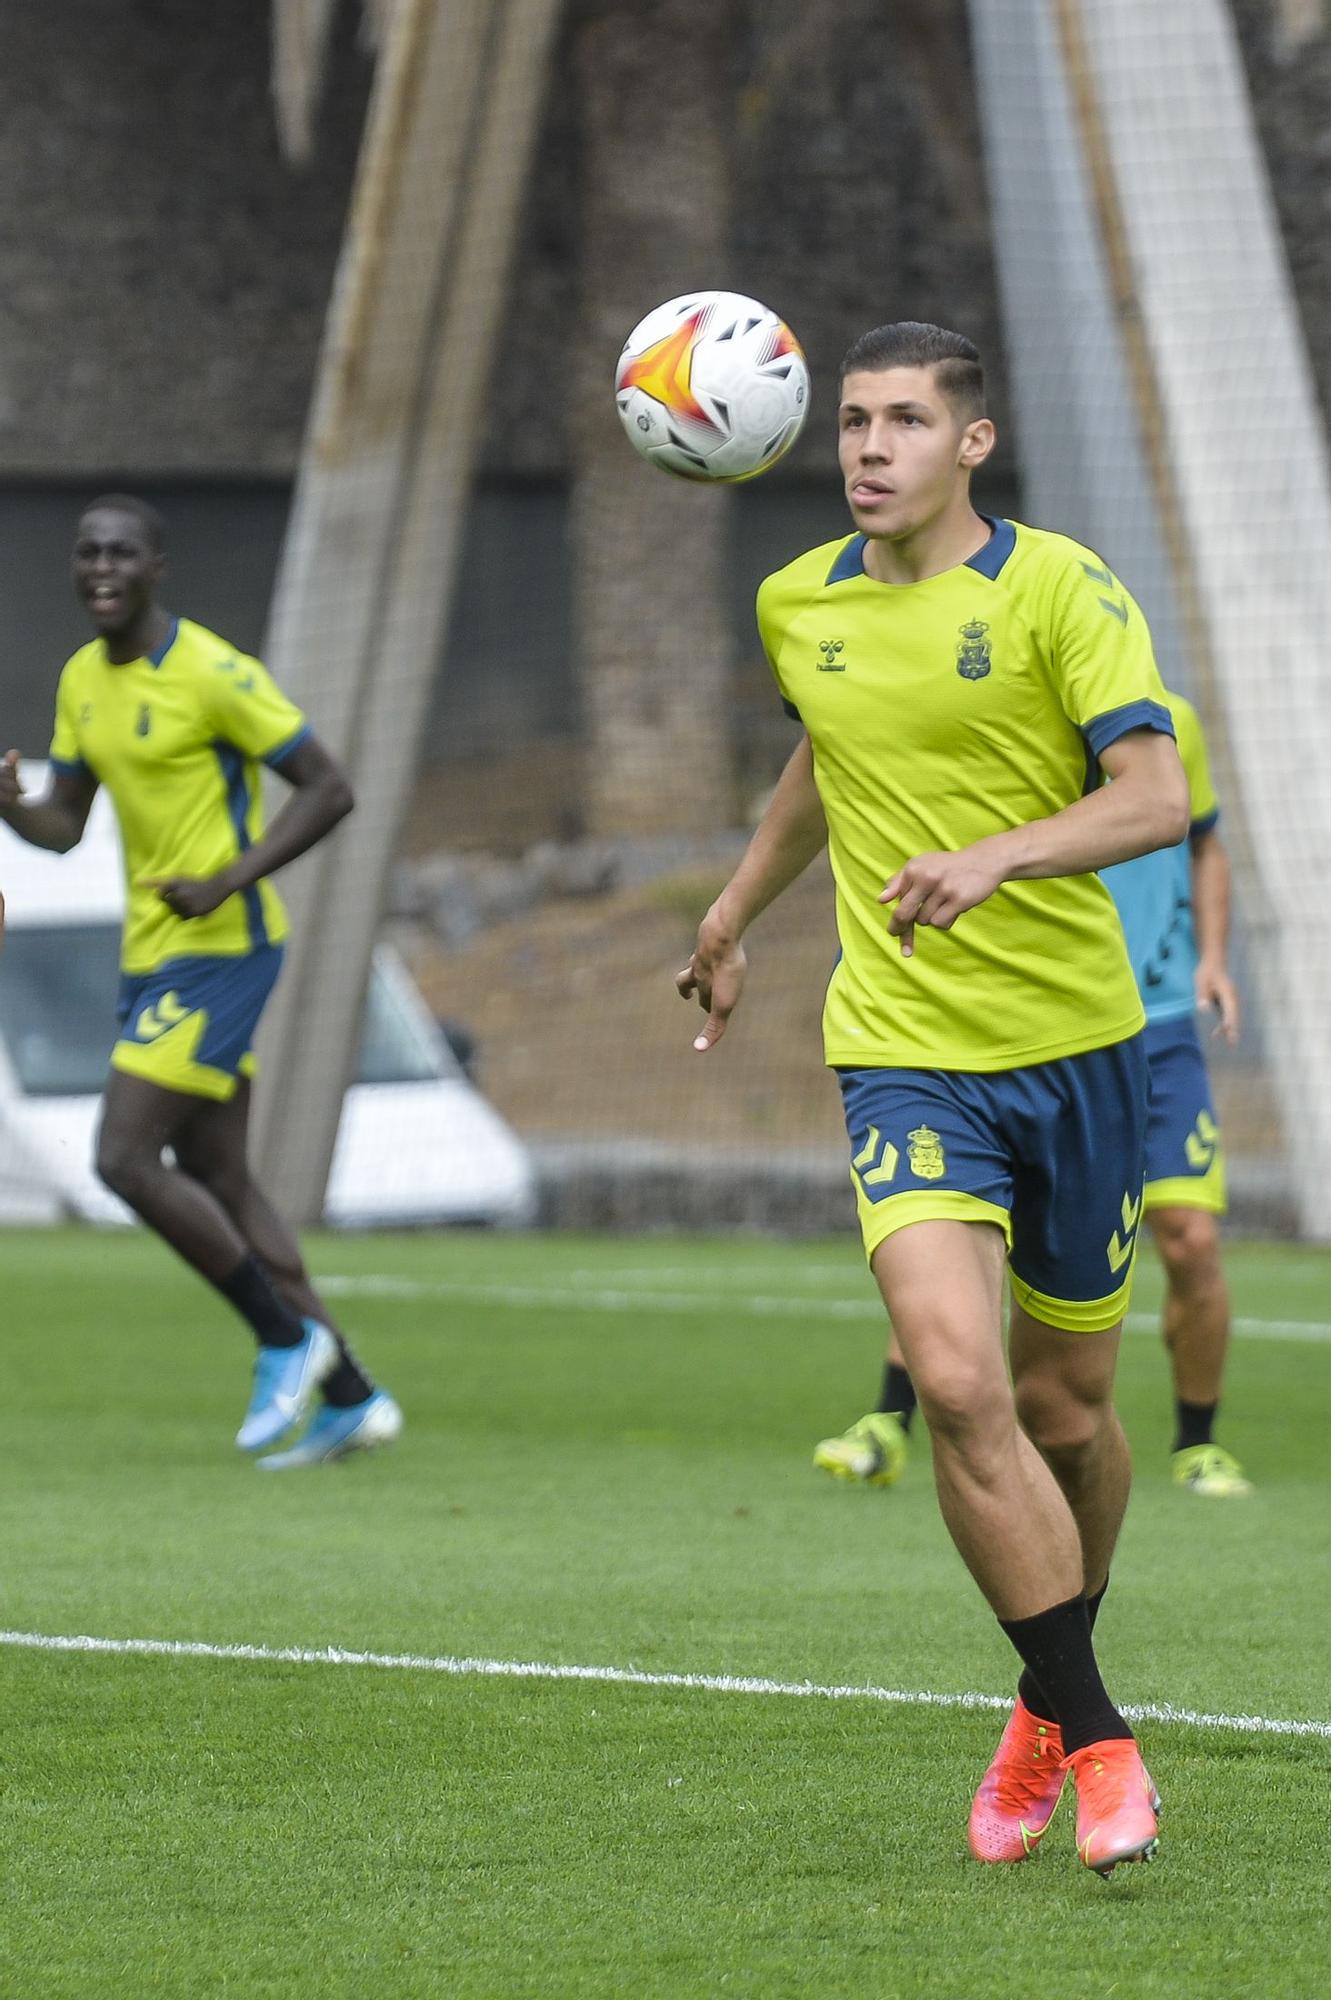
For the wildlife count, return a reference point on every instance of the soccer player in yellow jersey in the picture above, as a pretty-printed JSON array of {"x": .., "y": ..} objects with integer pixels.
[
  {"x": 1175, "y": 905},
  {"x": 176, "y": 723},
  {"x": 962, "y": 684}
]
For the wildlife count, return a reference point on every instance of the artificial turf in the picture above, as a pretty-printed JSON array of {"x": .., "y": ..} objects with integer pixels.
[{"x": 607, "y": 1464}]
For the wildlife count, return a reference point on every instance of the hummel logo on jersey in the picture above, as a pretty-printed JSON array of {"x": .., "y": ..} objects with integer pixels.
[
  {"x": 831, "y": 650},
  {"x": 157, "y": 1018},
  {"x": 244, "y": 682},
  {"x": 973, "y": 658},
  {"x": 1113, "y": 605}
]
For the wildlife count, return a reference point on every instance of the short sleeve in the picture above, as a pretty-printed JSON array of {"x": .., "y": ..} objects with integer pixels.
[
  {"x": 247, "y": 708},
  {"x": 1204, "y": 808},
  {"x": 771, "y": 631},
  {"x": 65, "y": 753},
  {"x": 1101, "y": 656}
]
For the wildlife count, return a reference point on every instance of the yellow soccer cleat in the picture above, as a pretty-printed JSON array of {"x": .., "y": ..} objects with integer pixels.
[
  {"x": 1019, "y": 1791},
  {"x": 1206, "y": 1469},
  {"x": 1118, "y": 1807},
  {"x": 873, "y": 1450}
]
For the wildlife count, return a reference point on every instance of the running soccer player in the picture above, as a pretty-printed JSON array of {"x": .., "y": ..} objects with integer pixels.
[
  {"x": 1175, "y": 909},
  {"x": 176, "y": 723},
  {"x": 959, "y": 680}
]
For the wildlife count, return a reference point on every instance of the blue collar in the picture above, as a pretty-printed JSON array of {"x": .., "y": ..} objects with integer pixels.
[
  {"x": 988, "y": 560},
  {"x": 155, "y": 658}
]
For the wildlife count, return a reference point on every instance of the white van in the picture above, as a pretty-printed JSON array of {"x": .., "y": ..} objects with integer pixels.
[{"x": 417, "y": 1142}]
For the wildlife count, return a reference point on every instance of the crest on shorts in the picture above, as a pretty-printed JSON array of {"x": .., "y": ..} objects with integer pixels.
[
  {"x": 926, "y": 1154},
  {"x": 973, "y": 661}
]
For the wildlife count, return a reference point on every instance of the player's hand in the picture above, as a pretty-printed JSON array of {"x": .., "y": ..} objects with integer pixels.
[
  {"x": 189, "y": 895},
  {"x": 935, "y": 889},
  {"x": 11, "y": 791},
  {"x": 715, "y": 974},
  {"x": 1217, "y": 993}
]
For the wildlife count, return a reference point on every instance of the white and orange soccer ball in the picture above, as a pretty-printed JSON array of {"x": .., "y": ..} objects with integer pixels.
[{"x": 712, "y": 386}]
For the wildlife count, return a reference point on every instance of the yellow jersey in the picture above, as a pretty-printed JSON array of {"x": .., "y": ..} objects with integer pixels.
[
  {"x": 938, "y": 712},
  {"x": 177, "y": 739}
]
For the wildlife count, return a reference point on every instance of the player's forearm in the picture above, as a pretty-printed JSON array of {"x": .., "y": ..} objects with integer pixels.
[
  {"x": 311, "y": 812},
  {"x": 791, "y": 832},
  {"x": 1144, "y": 808},
  {"x": 43, "y": 823},
  {"x": 1211, "y": 898}
]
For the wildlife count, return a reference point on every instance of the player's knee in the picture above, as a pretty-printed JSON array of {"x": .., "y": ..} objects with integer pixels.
[
  {"x": 1189, "y": 1243},
  {"x": 1062, "y": 1422},
  {"x": 125, "y": 1164},
  {"x": 960, "y": 1405}
]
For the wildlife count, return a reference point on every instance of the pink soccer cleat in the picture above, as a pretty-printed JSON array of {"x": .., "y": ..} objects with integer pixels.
[
  {"x": 1019, "y": 1791},
  {"x": 1117, "y": 1805}
]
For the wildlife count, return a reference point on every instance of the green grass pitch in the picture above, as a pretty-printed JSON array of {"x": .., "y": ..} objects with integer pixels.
[{"x": 607, "y": 1463}]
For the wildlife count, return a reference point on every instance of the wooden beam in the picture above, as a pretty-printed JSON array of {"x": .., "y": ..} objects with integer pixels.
[{"x": 366, "y": 579}]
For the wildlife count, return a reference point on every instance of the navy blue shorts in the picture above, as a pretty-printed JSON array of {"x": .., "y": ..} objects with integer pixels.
[
  {"x": 1053, "y": 1154},
  {"x": 190, "y": 1025},
  {"x": 1185, "y": 1156}
]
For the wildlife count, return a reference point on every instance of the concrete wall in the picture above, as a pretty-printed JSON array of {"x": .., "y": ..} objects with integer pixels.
[{"x": 163, "y": 274}]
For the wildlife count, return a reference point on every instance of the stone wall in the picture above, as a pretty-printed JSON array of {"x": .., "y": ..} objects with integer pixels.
[
  {"x": 164, "y": 273},
  {"x": 1291, "y": 88}
]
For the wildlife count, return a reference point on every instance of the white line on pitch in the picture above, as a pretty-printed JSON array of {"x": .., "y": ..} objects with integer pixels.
[
  {"x": 382, "y": 1285},
  {"x": 463, "y": 1667}
]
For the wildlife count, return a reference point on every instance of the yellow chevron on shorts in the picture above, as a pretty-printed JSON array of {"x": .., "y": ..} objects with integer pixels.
[
  {"x": 165, "y": 1013},
  {"x": 881, "y": 1175}
]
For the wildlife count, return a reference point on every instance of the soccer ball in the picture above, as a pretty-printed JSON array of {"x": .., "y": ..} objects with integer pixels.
[{"x": 712, "y": 386}]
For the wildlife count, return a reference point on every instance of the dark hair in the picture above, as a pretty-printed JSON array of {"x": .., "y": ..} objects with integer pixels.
[
  {"x": 914, "y": 343},
  {"x": 148, "y": 518}
]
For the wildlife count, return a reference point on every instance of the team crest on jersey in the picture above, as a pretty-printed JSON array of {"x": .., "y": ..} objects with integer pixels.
[
  {"x": 831, "y": 651},
  {"x": 145, "y": 721},
  {"x": 926, "y": 1151},
  {"x": 973, "y": 661}
]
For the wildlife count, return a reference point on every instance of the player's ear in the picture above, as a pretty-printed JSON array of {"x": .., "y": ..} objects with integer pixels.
[{"x": 977, "y": 441}]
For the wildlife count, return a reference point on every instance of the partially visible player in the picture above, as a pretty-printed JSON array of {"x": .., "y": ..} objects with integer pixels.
[
  {"x": 1175, "y": 909},
  {"x": 176, "y": 724},
  {"x": 956, "y": 678}
]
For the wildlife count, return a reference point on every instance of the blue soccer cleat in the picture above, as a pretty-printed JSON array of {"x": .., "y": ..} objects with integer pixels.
[
  {"x": 285, "y": 1381},
  {"x": 335, "y": 1433}
]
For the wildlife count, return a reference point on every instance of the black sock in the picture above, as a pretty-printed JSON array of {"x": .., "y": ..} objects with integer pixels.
[
  {"x": 898, "y": 1393},
  {"x": 1029, "y": 1691},
  {"x": 1056, "y": 1646},
  {"x": 348, "y": 1382},
  {"x": 250, "y": 1290},
  {"x": 1193, "y": 1423}
]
